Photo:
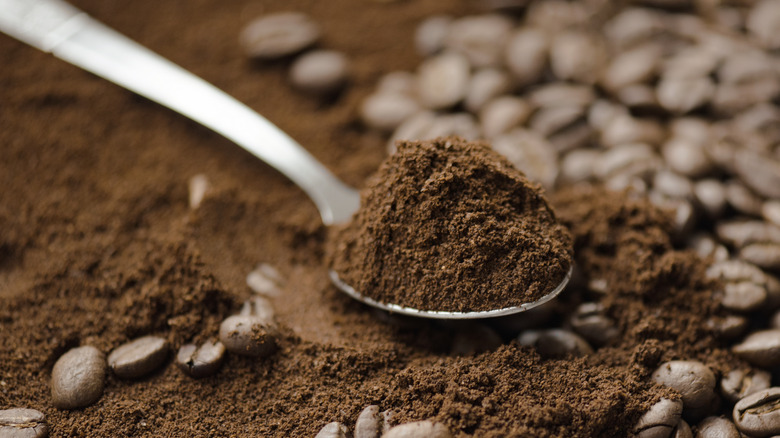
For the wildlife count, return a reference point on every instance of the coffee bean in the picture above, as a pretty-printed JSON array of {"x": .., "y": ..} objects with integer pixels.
[
  {"x": 200, "y": 361},
  {"x": 333, "y": 430},
  {"x": 442, "y": 81},
  {"x": 683, "y": 95},
  {"x": 419, "y": 429},
  {"x": 763, "y": 22},
  {"x": 624, "y": 129},
  {"x": 198, "y": 185},
  {"x": 578, "y": 165},
  {"x": 758, "y": 414},
  {"x": 729, "y": 327},
  {"x": 764, "y": 255},
  {"x": 602, "y": 112},
  {"x": 672, "y": 185},
  {"x": 368, "y": 423},
  {"x": 526, "y": 55},
  {"x": 707, "y": 247},
  {"x": 565, "y": 94},
  {"x": 633, "y": 25},
  {"x": 78, "y": 377},
  {"x": 576, "y": 135},
  {"x": 258, "y": 307},
  {"x": 577, "y": 56},
  {"x": 139, "y": 357},
  {"x": 550, "y": 120},
  {"x": 740, "y": 383},
  {"x": 555, "y": 343},
  {"x": 731, "y": 98},
  {"x": 639, "y": 98},
  {"x": 633, "y": 159},
  {"x": 485, "y": 85},
  {"x": 278, "y": 35},
  {"x": 265, "y": 280},
  {"x": 711, "y": 196},
  {"x": 386, "y": 111},
  {"x": 761, "y": 348},
  {"x": 475, "y": 338},
  {"x": 743, "y": 233},
  {"x": 23, "y": 423},
  {"x": 502, "y": 114},
  {"x": 716, "y": 427},
  {"x": 770, "y": 211},
  {"x": 481, "y": 38},
  {"x": 398, "y": 82},
  {"x": 636, "y": 65},
  {"x": 695, "y": 383},
  {"x": 248, "y": 335},
  {"x": 556, "y": 15},
  {"x": 694, "y": 62},
  {"x": 430, "y": 35},
  {"x": 759, "y": 172},
  {"x": 530, "y": 153},
  {"x": 742, "y": 199},
  {"x": 660, "y": 420},
  {"x": 682, "y": 430},
  {"x": 590, "y": 322},
  {"x": 743, "y": 66},
  {"x": 320, "y": 72}
]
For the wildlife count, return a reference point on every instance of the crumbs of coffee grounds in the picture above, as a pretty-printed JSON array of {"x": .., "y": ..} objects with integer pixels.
[{"x": 450, "y": 225}]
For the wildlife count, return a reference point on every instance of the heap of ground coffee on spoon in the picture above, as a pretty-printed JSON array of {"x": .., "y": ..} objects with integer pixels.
[{"x": 451, "y": 225}]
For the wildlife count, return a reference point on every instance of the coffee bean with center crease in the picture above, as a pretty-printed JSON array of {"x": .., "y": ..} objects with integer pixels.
[
  {"x": 682, "y": 430},
  {"x": 200, "y": 361},
  {"x": 481, "y": 38},
  {"x": 740, "y": 383},
  {"x": 526, "y": 54},
  {"x": 419, "y": 429},
  {"x": 761, "y": 348},
  {"x": 442, "y": 81},
  {"x": 278, "y": 35},
  {"x": 251, "y": 333},
  {"x": 23, "y": 423},
  {"x": 660, "y": 420},
  {"x": 716, "y": 427},
  {"x": 139, "y": 357},
  {"x": 758, "y": 415},
  {"x": 321, "y": 72},
  {"x": 694, "y": 381},
  {"x": 78, "y": 377},
  {"x": 371, "y": 423},
  {"x": 333, "y": 430}
]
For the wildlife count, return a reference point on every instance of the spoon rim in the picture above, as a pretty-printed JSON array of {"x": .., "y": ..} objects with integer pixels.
[{"x": 439, "y": 314}]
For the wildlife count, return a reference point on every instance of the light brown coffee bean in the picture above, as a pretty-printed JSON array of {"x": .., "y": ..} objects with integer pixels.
[
  {"x": 320, "y": 72},
  {"x": 419, "y": 429},
  {"x": 711, "y": 196},
  {"x": 200, "y": 361},
  {"x": 639, "y": 98},
  {"x": 259, "y": 307},
  {"x": 333, "y": 430},
  {"x": 633, "y": 25},
  {"x": 758, "y": 414},
  {"x": 23, "y": 423},
  {"x": 368, "y": 423},
  {"x": 474, "y": 339},
  {"x": 686, "y": 157},
  {"x": 530, "y": 153},
  {"x": 426, "y": 125},
  {"x": 198, "y": 185},
  {"x": 577, "y": 56},
  {"x": 556, "y": 343},
  {"x": 707, "y": 247},
  {"x": 746, "y": 287},
  {"x": 740, "y": 383},
  {"x": 729, "y": 327},
  {"x": 690, "y": 63},
  {"x": 562, "y": 94},
  {"x": 770, "y": 211},
  {"x": 683, "y": 213},
  {"x": 759, "y": 172},
  {"x": 139, "y": 357},
  {"x": 731, "y": 98},
  {"x": 556, "y": 15},
  {"x": 442, "y": 81},
  {"x": 278, "y": 35},
  {"x": 672, "y": 185},
  {"x": 626, "y": 129},
  {"x": 550, "y": 120},
  {"x": 386, "y": 111},
  {"x": 636, "y": 65},
  {"x": 590, "y": 322},
  {"x": 576, "y": 135},
  {"x": 249, "y": 335},
  {"x": 694, "y": 381},
  {"x": 430, "y": 34},
  {"x": 601, "y": 113},
  {"x": 526, "y": 55},
  {"x": 633, "y": 159},
  {"x": 485, "y": 85},
  {"x": 78, "y": 377},
  {"x": 763, "y": 255},
  {"x": 763, "y": 22},
  {"x": 398, "y": 82},
  {"x": 502, "y": 114},
  {"x": 265, "y": 280},
  {"x": 682, "y": 430},
  {"x": 742, "y": 233},
  {"x": 481, "y": 38},
  {"x": 746, "y": 66},
  {"x": 761, "y": 348},
  {"x": 660, "y": 420},
  {"x": 578, "y": 165},
  {"x": 683, "y": 95},
  {"x": 717, "y": 427}
]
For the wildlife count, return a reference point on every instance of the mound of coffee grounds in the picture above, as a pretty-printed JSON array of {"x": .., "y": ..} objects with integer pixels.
[{"x": 451, "y": 225}]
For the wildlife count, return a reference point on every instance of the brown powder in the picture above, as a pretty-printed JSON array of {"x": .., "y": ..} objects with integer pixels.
[{"x": 451, "y": 225}]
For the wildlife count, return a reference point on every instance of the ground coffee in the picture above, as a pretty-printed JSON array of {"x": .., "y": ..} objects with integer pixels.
[{"x": 451, "y": 225}]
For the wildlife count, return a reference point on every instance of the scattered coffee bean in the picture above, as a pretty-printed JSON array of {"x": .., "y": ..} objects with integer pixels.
[
  {"x": 502, "y": 114},
  {"x": 690, "y": 63},
  {"x": 717, "y": 427},
  {"x": 386, "y": 111},
  {"x": 740, "y": 383},
  {"x": 625, "y": 129},
  {"x": 758, "y": 414},
  {"x": 333, "y": 430},
  {"x": 443, "y": 80},
  {"x": 771, "y": 212},
  {"x": 633, "y": 25},
  {"x": 553, "y": 343},
  {"x": 761, "y": 348},
  {"x": 248, "y": 335},
  {"x": 660, "y": 420},
  {"x": 764, "y": 23},
  {"x": 742, "y": 199},
  {"x": 640, "y": 98},
  {"x": 398, "y": 82},
  {"x": 682, "y": 430},
  {"x": 430, "y": 34},
  {"x": 368, "y": 423},
  {"x": 200, "y": 361},
  {"x": 590, "y": 322},
  {"x": 562, "y": 94},
  {"x": 761, "y": 173},
  {"x": 730, "y": 327},
  {"x": 265, "y": 280},
  {"x": 711, "y": 196},
  {"x": 632, "y": 66},
  {"x": 764, "y": 255},
  {"x": 682, "y": 95},
  {"x": 139, "y": 357},
  {"x": 78, "y": 377},
  {"x": 694, "y": 381},
  {"x": 530, "y": 153},
  {"x": 481, "y": 38},
  {"x": 707, "y": 247},
  {"x": 578, "y": 165},
  {"x": 743, "y": 233},
  {"x": 577, "y": 56},
  {"x": 23, "y": 423},
  {"x": 320, "y": 72},
  {"x": 198, "y": 185},
  {"x": 419, "y": 429},
  {"x": 526, "y": 55},
  {"x": 485, "y": 85},
  {"x": 278, "y": 35}
]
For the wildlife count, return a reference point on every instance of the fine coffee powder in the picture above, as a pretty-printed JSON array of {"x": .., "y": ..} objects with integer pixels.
[{"x": 452, "y": 226}]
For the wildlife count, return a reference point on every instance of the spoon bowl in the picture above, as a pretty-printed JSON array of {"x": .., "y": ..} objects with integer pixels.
[{"x": 57, "y": 27}]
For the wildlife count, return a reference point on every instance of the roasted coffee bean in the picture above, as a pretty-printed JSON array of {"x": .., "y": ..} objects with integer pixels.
[
  {"x": 259, "y": 307},
  {"x": 400, "y": 82},
  {"x": 556, "y": 15},
  {"x": 742, "y": 199},
  {"x": 633, "y": 25},
  {"x": 562, "y": 94},
  {"x": 78, "y": 378},
  {"x": 695, "y": 383},
  {"x": 682, "y": 430},
  {"x": 729, "y": 327},
  {"x": 716, "y": 427},
  {"x": 743, "y": 298},
  {"x": 672, "y": 185},
  {"x": 763, "y": 22},
  {"x": 711, "y": 196},
  {"x": 265, "y": 280},
  {"x": 706, "y": 247},
  {"x": 139, "y": 357},
  {"x": 526, "y": 55},
  {"x": 248, "y": 335},
  {"x": 386, "y": 111},
  {"x": 758, "y": 414},
  {"x": 686, "y": 156},
  {"x": 430, "y": 35},
  {"x": 442, "y": 81},
  {"x": 474, "y": 339},
  {"x": 770, "y": 211},
  {"x": 578, "y": 165},
  {"x": 419, "y": 429},
  {"x": 200, "y": 361},
  {"x": 333, "y": 430},
  {"x": 198, "y": 185},
  {"x": 740, "y": 383},
  {"x": 660, "y": 420},
  {"x": 502, "y": 114},
  {"x": 636, "y": 65},
  {"x": 602, "y": 112},
  {"x": 320, "y": 72},
  {"x": 763, "y": 255},
  {"x": 550, "y": 120},
  {"x": 639, "y": 97},
  {"x": 633, "y": 159},
  {"x": 590, "y": 322},
  {"x": 552, "y": 343},
  {"x": 730, "y": 99},
  {"x": 278, "y": 35},
  {"x": 426, "y": 125},
  {"x": 23, "y": 423},
  {"x": 759, "y": 172},
  {"x": 625, "y": 129},
  {"x": 742, "y": 66},
  {"x": 530, "y": 153},
  {"x": 481, "y": 38},
  {"x": 761, "y": 348},
  {"x": 743, "y": 233},
  {"x": 577, "y": 56},
  {"x": 683, "y": 95},
  {"x": 485, "y": 85},
  {"x": 690, "y": 63},
  {"x": 371, "y": 423}
]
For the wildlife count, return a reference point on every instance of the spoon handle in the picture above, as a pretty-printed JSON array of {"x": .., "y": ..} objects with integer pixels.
[{"x": 57, "y": 27}]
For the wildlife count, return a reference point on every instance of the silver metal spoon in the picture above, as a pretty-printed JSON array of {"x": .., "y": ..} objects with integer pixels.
[{"x": 57, "y": 27}]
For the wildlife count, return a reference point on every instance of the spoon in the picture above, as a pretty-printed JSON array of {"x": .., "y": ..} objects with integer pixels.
[{"x": 57, "y": 27}]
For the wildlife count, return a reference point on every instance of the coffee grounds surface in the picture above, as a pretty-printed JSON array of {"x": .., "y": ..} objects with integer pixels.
[
  {"x": 450, "y": 225},
  {"x": 98, "y": 246}
]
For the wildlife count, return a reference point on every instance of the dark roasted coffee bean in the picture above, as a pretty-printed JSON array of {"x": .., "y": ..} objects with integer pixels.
[
  {"x": 78, "y": 378},
  {"x": 716, "y": 427},
  {"x": 694, "y": 381},
  {"x": 139, "y": 357},
  {"x": 660, "y": 420},
  {"x": 740, "y": 383},
  {"x": 248, "y": 335},
  {"x": 761, "y": 348},
  {"x": 23, "y": 423},
  {"x": 200, "y": 361},
  {"x": 758, "y": 414}
]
